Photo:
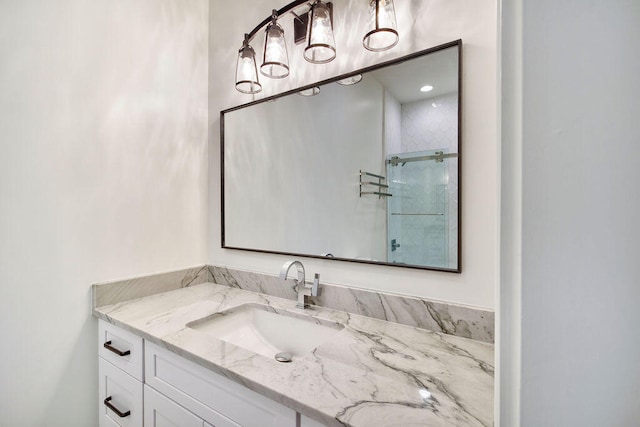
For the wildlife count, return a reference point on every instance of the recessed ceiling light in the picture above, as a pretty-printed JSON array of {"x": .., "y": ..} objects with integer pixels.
[{"x": 427, "y": 88}]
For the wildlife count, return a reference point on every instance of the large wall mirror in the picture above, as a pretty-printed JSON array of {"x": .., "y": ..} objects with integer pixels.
[{"x": 364, "y": 172}]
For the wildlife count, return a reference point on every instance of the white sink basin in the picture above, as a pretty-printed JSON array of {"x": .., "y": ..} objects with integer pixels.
[{"x": 257, "y": 328}]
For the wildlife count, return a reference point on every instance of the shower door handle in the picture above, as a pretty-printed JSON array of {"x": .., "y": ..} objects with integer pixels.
[{"x": 394, "y": 245}]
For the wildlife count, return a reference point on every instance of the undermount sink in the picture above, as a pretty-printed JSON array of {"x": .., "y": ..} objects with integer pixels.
[{"x": 257, "y": 328}]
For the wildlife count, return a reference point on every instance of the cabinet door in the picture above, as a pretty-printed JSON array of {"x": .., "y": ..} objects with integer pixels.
[
  {"x": 120, "y": 397},
  {"x": 162, "y": 412}
]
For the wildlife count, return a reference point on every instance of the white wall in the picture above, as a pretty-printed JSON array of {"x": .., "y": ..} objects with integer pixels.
[
  {"x": 103, "y": 130},
  {"x": 422, "y": 24},
  {"x": 578, "y": 284},
  {"x": 392, "y": 124}
]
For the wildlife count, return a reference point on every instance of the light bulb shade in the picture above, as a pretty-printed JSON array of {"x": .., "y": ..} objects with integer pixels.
[
  {"x": 350, "y": 80},
  {"x": 247, "y": 71},
  {"x": 321, "y": 45},
  {"x": 275, "y": 62},
  {"x": 313, "y": 91},
  {"x": 383, "y": 33}
]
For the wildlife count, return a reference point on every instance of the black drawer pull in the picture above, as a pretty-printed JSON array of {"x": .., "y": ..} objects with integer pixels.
[
  {"x": 107, "y": 345},
  {"x": 114, "y": 409}
]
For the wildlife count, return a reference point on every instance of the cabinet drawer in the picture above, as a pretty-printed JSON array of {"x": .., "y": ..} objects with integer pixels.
[
  {"x": 210, "y": 396},
  {"x": 120, "y": 397},
  {"x": 122, "y": 348},
  {"x": 162, "y": 412}
]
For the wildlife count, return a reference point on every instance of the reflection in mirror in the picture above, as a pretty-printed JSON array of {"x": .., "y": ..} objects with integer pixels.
[{"x": 366, "y": 172}]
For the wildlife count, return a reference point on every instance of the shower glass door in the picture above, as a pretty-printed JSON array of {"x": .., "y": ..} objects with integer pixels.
[{"x": 417, "y": 212}]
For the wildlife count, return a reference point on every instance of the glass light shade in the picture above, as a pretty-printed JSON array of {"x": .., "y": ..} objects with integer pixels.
[
  {"x": 275, "y": 62},
  {"x": 350, "y": 80},
  {"x": 321, "y": 45},
  {"x": 383, "y": 33},
  {"x": 310, "y": 92},
  {"x": 247, "y": 71}
]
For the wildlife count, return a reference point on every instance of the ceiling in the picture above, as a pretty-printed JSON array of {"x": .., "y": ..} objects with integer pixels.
[{"x": 404, "y": 80}]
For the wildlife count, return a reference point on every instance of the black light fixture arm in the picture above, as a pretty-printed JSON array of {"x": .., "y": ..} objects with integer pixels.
[{"x": 280, "y": 12}]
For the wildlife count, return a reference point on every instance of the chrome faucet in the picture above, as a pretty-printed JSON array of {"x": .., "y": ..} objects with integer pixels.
[{"x": 304, "y": 291}]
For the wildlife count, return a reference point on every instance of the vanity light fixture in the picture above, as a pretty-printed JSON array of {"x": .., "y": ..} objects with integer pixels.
[
  {"x": 426, "y": 88},
  {"x": 350, "y": 80},
  {"x": 315, "y": 27},
  {"x": 383, "y": 33},
  {"x": 321, "y": 45},
  {"x": 246, "y": 70},
  {"x": 275, "y": 61}
]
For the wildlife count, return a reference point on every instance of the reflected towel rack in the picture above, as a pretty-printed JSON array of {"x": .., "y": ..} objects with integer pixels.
[
  {"x": 439, "y": 157},
  {"x": 418, "y": 214},
  {"x": 378, "y": 184}
]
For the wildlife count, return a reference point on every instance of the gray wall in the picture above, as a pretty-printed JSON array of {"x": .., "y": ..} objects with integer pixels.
[{"x": 578, "y": 286}]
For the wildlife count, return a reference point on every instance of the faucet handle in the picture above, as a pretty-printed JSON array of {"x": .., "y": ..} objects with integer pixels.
[{"x": 315, "y": 288}]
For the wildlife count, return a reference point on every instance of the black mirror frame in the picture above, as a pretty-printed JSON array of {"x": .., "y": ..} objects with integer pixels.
[{"x": 455, "y": 43}]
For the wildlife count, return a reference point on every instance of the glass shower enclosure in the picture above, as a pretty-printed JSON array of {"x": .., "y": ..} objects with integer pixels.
[{"x": 419, "y": 231}]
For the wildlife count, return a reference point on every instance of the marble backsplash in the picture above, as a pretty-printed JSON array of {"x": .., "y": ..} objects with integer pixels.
[
  {"x": 451, "y": 319},
  {"x": 113, "y": 292}
]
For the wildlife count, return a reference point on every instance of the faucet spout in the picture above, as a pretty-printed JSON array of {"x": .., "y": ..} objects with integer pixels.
[{"x": 284, "y": 271}]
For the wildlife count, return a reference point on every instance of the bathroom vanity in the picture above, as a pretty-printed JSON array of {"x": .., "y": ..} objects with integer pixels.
[
  {"x": 369, "y": 372},
  {"x": 144, "y": 384}
]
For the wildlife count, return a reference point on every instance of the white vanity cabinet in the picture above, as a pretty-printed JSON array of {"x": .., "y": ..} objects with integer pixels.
[{"x": 177, "y": 392}]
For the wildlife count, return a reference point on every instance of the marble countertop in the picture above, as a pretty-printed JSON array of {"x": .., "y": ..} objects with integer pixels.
[{"x": 372, "y": 373}]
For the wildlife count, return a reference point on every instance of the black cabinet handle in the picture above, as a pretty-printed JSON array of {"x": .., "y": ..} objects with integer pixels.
[
  {"x": 107, "y": 345},
  {"x": 114, "y": 409}
]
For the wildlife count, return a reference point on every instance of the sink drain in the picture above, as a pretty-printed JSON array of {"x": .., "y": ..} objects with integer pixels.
[{"x": 283, "y": 357}]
